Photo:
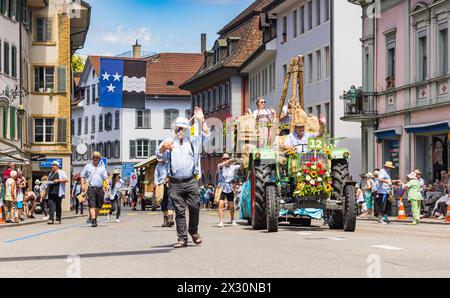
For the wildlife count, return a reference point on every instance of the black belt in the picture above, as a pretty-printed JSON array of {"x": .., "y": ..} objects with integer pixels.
[
  {"x": 175, "y": 180},
  {"x": 96, "y": 187}
]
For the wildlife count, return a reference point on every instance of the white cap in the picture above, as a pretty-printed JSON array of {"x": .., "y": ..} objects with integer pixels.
[
  {"x": 181, "y": 122},
  {"x": 56, "y": 163}
]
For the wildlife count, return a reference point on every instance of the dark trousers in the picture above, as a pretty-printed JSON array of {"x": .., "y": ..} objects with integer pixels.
[
  {"x": 54, "y": 204},
  {"x": 116, "y": 206},
  {"x": 79, "y": 206},
  {"x": 185, "y": 195},
  {"x": 382, "y": 205},
  {"x": 44, "y": 205},
  {"x": 166, "y": 203}
]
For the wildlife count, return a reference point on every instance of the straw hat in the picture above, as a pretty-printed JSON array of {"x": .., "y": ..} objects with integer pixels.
[
  {"x": 389, "y": 164},
  {"x": 299, "y": 121},
  {"x": 226, "y": 156},
  {"x": 369, "y": 175},
  {"x": 376, "y": 173}
]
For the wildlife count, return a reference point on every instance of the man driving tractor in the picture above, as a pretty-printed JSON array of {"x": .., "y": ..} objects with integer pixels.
[{"x": 299, "y": 138}]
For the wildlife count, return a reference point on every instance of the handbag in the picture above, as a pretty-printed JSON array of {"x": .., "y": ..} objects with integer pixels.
[
  {"x": 159, "y": 194},
  {"x": 391, "y": 198},
  {"x": 218, "y": 194}
]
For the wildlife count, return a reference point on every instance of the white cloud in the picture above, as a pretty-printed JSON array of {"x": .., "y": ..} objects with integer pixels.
[{"x": 128, "y": 36}]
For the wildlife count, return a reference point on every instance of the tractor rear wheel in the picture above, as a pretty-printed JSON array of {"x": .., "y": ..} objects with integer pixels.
[
  {"x": 340, "y": 176},
  {"x": 273, "y": 209},
  {"x": 260, "y": 175},
  {"x": 350, "y": 209}
]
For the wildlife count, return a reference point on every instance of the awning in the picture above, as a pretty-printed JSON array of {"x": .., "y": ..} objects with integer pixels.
[
  {"x": 10, "y": 154},
  {"x": 388, "y": 133},
  {"x": 146, "y": 162},
  {"x": 437, "y": 127}
]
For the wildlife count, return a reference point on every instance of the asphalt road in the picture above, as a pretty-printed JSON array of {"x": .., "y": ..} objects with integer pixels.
[{"x": 139, "y": 247}]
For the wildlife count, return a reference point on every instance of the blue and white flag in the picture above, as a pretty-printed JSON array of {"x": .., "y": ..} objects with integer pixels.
[{"x": 122, "y": 83}]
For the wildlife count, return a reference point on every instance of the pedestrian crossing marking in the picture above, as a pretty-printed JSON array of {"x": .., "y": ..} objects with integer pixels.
[
  {"x": 152, "y": 213},
  {"x": 132, "y": 214},
  {"x": 336, "y": 238},
  {"x": 387, "y": 247}
]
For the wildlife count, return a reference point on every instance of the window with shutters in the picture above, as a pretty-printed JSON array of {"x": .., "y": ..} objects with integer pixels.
[
  {"x": 44, "y": 78},
  {"x": 153, "y": 145},
  {"x": 140, "y": 149},
  {"x": 43, "y": 30},
  {"x": 117, "y": 120},
  {"x": 86, "y": 125},
  {"x": 94, "y": 93},
  {"x": 6, "y": 58},
  {"x": 44, "y": 130},
  {"x": 170, "y": 115},
  {"x": 62, "y": 131},
  {"x": 93, "y": 124},
  {"x": 14, "y": 61},
  {"x": 100, "y": 123}
]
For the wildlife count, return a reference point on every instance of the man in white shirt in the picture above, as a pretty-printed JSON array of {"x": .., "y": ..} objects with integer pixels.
[
  {"x": 299, "y": 138},
  {"x": 94, "y": 176}
]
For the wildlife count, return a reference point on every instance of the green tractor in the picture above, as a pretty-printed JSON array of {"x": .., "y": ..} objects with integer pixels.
[
  {"x": 274, "y": 194},
  {"x": 296, "y": 187}
]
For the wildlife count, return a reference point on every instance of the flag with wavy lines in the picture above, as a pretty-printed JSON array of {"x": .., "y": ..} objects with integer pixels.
[{"x": 122, "y": 83}]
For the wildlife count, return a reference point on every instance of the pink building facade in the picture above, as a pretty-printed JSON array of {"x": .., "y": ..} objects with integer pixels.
[{"x": 404, "y": 103}]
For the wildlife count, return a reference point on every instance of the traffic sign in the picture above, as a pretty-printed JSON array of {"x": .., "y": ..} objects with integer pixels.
[{"x": 104, "y": 162}]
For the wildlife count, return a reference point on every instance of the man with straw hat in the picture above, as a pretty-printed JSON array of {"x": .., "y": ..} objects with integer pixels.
[
  {"x": 183, "y": 153},
  {"x": 299, "y": 138},
  {"x": 384, "y": 187}
]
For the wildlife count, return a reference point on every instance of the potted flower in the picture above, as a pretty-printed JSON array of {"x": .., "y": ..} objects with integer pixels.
[
  {"x": 50, "y": 88},
  {"x": 41, "y": 87}
]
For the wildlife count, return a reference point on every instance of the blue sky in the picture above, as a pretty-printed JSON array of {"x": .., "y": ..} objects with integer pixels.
[{"x": 160, "y": 25}]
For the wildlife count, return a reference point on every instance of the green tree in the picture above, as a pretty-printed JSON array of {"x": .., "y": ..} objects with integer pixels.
[{"x": 78, "y": 63}]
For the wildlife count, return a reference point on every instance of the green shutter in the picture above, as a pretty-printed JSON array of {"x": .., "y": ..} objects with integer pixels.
[
  {"x": 12, "y": 119},
  {"x": 11, "y": 8},
  {"x": 19, "y": 129},
  {"x": 14, "y": 62},
  {"x": 18, "y": 10},
  {"x": 62, "y": 79},
  {"x": 2, "y": 6},
  {"x": 6, "y": 59},
  {"x": 5, "y": 123}
]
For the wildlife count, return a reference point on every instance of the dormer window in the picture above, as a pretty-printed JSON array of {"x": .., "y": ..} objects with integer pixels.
[
  {"x": 170, "y": 84},
  {"x": 217, "y": 56},
  {"x": 232, "y": 42}
]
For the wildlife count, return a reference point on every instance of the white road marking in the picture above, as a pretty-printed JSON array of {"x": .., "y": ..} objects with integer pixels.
[
  {"x": 304, "y": 233},
  {"x": 387, "y": 247},
  {"x": 336, "y": 239}
]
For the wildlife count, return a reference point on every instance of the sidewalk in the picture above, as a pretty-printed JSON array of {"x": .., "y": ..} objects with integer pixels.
[
  {"x": 409, "y": 220},
  {"x": 38, "y": 220}
]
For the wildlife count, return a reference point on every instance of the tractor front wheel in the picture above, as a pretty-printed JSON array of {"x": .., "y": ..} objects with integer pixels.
[
  {"x": 340, "y": 175},
  {"x": 350, "y": 209},
  {"x": 273, "y": 209}
]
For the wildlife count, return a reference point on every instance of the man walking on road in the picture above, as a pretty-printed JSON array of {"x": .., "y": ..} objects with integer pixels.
[
  {"x": 384, "y": 186},
  {"x": 227, "y": 169},
  {"x": 56, "y": 192},
  {"x": 183, "y": 157},
  {"x": 93, "y": 177}
]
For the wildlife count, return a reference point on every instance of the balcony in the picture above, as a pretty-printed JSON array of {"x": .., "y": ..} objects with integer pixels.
[{"x": 358, "y": 105}]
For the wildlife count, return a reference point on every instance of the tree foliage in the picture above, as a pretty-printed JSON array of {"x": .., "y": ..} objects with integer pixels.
[{"x": 78, "y": 63}]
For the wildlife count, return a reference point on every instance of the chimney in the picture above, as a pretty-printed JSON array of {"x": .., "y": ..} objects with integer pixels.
[
  {"x": 203, "y": 43},
  {"x": 137, "y": 50}
]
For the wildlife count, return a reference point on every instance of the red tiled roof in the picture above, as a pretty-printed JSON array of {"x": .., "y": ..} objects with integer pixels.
[
  {"x": 256, "y": 6},
  {"x": 174, "y": 67},
  {"x": 162, "y": 68}
]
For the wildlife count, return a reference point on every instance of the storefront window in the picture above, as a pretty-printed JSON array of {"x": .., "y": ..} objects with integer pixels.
[{"x": 392, "y": 153}]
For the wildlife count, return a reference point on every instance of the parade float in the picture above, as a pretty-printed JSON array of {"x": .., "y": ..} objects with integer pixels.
[{"x": 293, "y": 187}]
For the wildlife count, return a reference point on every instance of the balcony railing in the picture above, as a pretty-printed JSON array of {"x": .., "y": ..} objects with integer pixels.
[{"x": 358, "y": 105}]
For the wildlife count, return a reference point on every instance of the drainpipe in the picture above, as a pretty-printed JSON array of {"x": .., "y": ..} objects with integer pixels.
[{"x": 332, "y": 116}]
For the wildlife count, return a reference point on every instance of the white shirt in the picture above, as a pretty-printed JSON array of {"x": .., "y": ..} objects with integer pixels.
[
  {"x": 115, "y": 188},
  {"x": 62, "y": 186},
  {"x": 94, "y": 175},
  {"x": 293, "y": 140}
]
